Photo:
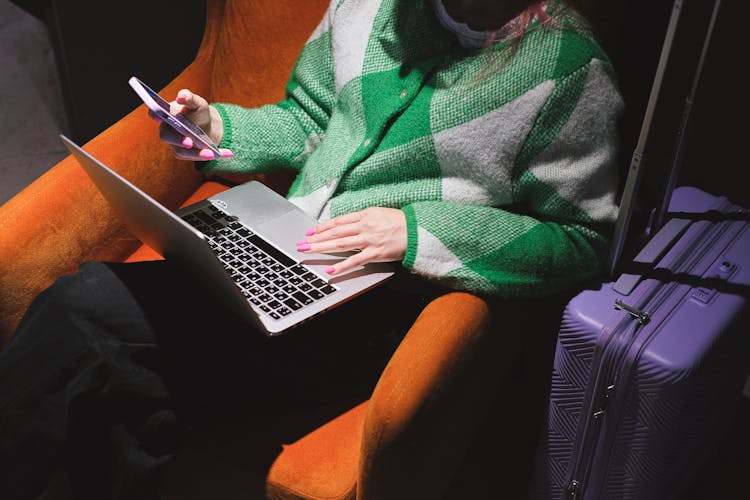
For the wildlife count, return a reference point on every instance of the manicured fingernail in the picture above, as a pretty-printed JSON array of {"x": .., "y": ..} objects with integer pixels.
[
  {"x": 182, "y": 95},
  {"x": 187, "y": 142},
  {"x": 303, "y": 242},
  {"x": 310, "y": 232},
  {"x": 303, "y": 248},
  {"x": 207, "y": 154},
  {"x": 227, "y": 154},
  {"x": 331, "y": 270}
]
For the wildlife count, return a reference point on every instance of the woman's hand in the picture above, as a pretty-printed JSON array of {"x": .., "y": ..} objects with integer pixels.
[
  {"x": 378, "y": 233},
  {"x": 196, "y": 109}
]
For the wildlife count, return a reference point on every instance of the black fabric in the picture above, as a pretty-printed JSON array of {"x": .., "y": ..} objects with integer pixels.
[{"x": 110, "y": 366}]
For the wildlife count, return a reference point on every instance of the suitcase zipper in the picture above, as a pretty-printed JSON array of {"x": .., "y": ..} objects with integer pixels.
[
  {"x": 626, "y": 330},
  {"x": 573, "y": 490},
  {"x": 643, "y": 317}
]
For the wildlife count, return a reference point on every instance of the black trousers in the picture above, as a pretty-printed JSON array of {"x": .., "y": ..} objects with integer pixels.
[{"x": 110, "y": 367}]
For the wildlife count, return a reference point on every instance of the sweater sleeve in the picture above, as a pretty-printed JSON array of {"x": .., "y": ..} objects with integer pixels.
[
  {"x": 282, "y": 135},
  {"x": 564, "y": 185}
]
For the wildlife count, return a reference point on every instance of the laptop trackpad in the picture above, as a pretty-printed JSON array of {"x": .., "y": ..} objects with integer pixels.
[{"x": 287, "y": 229}]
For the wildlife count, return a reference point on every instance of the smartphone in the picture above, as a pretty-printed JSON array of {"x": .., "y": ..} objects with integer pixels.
[{"x": 160, "y": 108}]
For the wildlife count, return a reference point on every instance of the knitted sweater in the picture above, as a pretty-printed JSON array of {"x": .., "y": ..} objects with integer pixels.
[{"x": 504, "y": 166}]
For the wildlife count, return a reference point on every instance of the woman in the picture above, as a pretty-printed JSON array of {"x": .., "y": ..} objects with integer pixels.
[{"x": 473, "y": 141}]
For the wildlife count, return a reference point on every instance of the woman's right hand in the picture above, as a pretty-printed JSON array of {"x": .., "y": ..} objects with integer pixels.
[{"x": 196, "y": 109}]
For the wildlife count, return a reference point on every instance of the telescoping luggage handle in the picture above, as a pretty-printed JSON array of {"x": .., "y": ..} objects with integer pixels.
[{"x": 667, "y": 235}]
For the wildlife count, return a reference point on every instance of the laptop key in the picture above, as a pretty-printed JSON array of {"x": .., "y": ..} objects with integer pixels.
[
  {"x": 318, "y": 283},
  {"x": 282, "y": 258},
  {"x": 204, "y": 217},
  {"x": 298, "y": 270},
  {"x": 304, "y": 299},
  {"x": 293, "y": 304}
]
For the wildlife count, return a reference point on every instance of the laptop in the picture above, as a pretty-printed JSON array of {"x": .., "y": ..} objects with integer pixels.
[{"x": 241, "y": 246}]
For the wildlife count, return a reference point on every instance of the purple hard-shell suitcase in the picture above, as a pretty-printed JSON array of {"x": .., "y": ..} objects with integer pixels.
[{"x": 647, "y": 369}]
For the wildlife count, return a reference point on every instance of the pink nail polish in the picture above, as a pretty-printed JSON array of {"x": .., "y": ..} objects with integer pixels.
[
  {"x": 227, "y": 154},
  {"x": 206, "y": 154},
  {"x": 310, "y": 232},
  {"x": 303, "y": 242},
  {"x": 187, "y": 142},
  {"x": 330, "y": 270},
  {"x": 181, "y": 95},
  {"x": 303, "y": 248}
]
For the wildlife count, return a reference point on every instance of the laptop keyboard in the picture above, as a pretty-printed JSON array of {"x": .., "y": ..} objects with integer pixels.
[{"x": 267, "y": 277}]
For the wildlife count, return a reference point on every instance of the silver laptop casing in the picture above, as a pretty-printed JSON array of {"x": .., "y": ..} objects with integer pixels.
[{"x": 259, "y": 208}]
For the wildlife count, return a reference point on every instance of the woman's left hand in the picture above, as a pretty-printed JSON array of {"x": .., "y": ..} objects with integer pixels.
[{"x": 378, "y": 233}]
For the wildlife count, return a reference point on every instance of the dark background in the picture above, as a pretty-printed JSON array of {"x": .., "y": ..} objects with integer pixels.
[
  {"x": 718, "y": 128},
  {"x": 99, "y": 45}
]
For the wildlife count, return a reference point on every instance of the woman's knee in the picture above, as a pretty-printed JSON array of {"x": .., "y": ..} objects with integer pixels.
[
  {"x": 78, "y": 294},
  {"x": 91, "y": 302}
]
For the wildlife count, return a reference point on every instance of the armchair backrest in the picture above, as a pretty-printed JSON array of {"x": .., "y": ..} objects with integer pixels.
[{"x": 257, "y": 46}]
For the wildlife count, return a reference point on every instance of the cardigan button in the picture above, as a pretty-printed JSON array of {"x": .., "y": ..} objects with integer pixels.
[
  {"x": 403, "y": 94},
  {"x": 367, "y": 142}
]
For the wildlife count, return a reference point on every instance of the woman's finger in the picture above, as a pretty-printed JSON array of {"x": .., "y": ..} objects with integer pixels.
[
  {"x": 187, "y": 154},
  {"x": 189, "y": 101},
  {"x": 341, "y": 220},
  {"x": 351, "y": 262},
  {"x": 337, "y": 231},
  {"x": 336, "y": 245},
  {"x": 170, "y": 136},
  {"x": 196, "y": 154}
]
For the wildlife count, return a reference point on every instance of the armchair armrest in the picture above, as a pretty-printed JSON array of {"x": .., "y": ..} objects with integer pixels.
[{"x": 431, "y": 397}]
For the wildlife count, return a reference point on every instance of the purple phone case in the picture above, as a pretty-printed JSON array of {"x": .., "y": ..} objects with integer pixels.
[{"x": 640, "y": 393}]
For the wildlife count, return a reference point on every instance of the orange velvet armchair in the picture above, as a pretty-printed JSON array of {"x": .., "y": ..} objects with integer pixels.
[{"x": 406, "y": 441}]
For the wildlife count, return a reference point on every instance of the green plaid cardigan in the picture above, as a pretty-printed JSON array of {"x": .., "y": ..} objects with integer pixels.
[{"x": 502, "y": 159}]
